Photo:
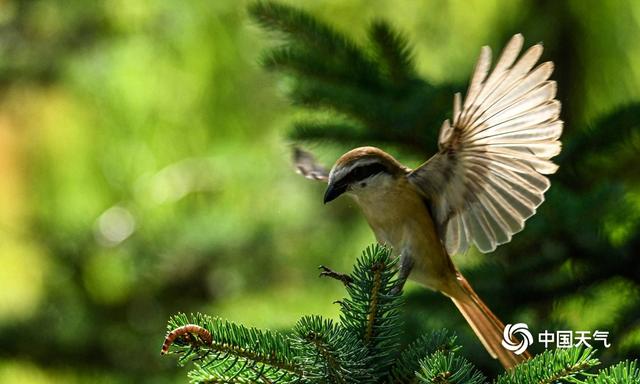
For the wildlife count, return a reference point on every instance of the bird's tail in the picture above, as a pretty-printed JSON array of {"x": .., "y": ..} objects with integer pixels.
[{"x": 484, "y": 323}]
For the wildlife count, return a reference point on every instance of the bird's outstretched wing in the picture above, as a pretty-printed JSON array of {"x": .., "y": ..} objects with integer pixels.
[
  {"x": 487, "y": 177},
  {"x": 307, "y": 166}
]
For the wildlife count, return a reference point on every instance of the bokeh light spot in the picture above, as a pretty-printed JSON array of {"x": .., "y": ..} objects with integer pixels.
[{"x": 114, "y": 226}]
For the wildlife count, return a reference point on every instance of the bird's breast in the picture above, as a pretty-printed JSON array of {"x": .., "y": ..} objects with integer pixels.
[
  {"x": 397, "y": 214},
  {"x": 399, "y": 218}
]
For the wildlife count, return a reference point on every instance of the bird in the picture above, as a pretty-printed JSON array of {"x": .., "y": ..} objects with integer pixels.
[{"x": 486, "y": 179}]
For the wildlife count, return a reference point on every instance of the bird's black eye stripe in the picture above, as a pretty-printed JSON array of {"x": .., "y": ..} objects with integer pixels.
[{"x": 362, "y": 172}]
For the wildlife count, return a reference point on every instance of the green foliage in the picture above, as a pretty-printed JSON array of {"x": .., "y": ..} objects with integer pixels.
[
  {"x": 392, "y": 52},
  {"x": 408, "y": 363},
  {"x": 622, "y": 373},
  {"x": 571, "y": 366},
  {"x": 359, "y": 349},
  {"x": 328, "y": 352},
  {"x": 448, "y": 368},
  {"x": 598, "y": 141},
  {"x": 370, "y": 90},
  {"x": 237, "y": 354},
  {"x": 362, "y": 347},
  {"x": 552, "y": 366},
  {"x": 313, "y": 48},
  {"x": 371, "y": 309}
]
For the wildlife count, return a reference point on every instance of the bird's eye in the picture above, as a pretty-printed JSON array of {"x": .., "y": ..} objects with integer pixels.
[{"x": 362, "y": 185}]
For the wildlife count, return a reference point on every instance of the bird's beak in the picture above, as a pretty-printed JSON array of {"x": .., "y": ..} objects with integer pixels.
[{"x": 333, "y": 191}]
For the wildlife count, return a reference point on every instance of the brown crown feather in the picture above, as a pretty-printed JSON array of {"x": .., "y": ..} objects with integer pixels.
[{"x": 393, "y": 165}]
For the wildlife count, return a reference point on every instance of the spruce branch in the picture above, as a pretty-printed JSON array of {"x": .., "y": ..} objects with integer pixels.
[
  {"x": 361, "y": 348},
  {"x": 393, "y": 52},
  {"x": 588, "y": 154},
  {"x": 302, "y": 31},
  {"x": 552, "y": 366},
  {"x": 408, "y": 363},
  {"x": 373, "y": 89},
  {"x": 330, "y": 353},
  {"x": 299, "y": 62},
  {"x": 354, "y": 103},
  {"x": 601, "y": 137},
  {"x": 625, "y": 372},
  {"x": 371, "y": 310},
  {"x": 329, "y": 131},
  {"x": 448, "y": 368},
  {"x": 236, "y": 353},
  {"x": 295, "y": 24}
]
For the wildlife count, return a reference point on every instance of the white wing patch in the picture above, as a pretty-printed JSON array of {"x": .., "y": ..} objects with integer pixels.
[{"x": 487, "y": 178}]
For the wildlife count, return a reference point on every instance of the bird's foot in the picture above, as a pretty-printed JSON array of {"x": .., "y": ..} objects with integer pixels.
[
  {"x": 343, "y": 277},
  {"x": 396, "y": 290},
  {"x": 398, "y": 287}
]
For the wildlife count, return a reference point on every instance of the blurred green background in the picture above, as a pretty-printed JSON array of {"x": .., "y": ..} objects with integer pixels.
[{"x": 145, "y": 170}]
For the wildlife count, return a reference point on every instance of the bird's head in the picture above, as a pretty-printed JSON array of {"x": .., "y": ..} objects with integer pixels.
[{"x": 361, "y": 171}]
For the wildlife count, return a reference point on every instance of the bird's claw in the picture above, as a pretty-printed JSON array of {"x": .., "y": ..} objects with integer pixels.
[
  {"x": 396, "y": 290},
  {"x": 343, "y": 277}
]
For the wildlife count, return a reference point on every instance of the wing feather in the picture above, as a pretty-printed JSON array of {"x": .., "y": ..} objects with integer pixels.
[
  {"x": 488, "y": 176},
  {"x": 307, "y": 165},
  {"x": 479, "y": 75},
  {"x": 519, "y": 87},
  {"x": 512, "y": 82},
  {"x": 509, "y": 54}
]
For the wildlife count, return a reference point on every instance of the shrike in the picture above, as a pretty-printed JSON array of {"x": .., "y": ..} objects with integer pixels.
[{"x": 481, "y": 186}]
